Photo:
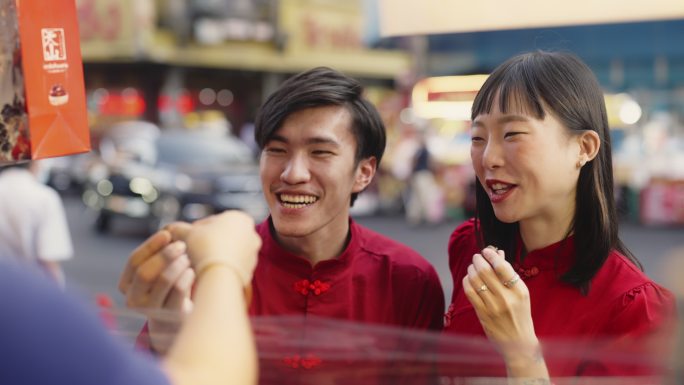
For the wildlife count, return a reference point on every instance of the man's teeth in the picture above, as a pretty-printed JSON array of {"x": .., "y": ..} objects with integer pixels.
[{"x": 297, "y": 201}]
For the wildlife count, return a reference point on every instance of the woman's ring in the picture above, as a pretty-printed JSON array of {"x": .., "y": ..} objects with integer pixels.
[
  {"x": 512, "y": 281},
  {"x": 481, "y": 289}
]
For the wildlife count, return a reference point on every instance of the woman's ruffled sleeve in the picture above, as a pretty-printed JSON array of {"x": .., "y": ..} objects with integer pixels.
[
  {"x": 640, "y": 334},
  {"x": 646, "y": 310}
]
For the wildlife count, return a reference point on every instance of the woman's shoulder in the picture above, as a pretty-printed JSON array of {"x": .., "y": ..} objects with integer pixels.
[
  {"x": 464, "y": 233},
  {"x": 623, "y": 273},
  {"x": 462, "y": 243},
  {"x": 629, "y": 303},
  {"x": 629, "y": 286}
]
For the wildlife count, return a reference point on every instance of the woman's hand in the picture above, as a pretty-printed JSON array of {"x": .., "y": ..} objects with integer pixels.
[{"x": 502, "y": 303}]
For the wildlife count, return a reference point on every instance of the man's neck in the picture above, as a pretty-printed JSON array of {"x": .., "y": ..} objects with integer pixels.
[{"x": 325, "y": 244}]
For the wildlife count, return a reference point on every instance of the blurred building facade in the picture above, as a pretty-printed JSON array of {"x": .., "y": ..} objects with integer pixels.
[
  {"x": 199, "y": 63},
  {"x": 161, "y": 60},
  {"x": 209, "y": 64}
]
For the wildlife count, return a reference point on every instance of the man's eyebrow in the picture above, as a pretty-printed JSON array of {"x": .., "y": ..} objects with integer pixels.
[
  {"x": 322, "y": 140},
  {"x": 278, "y": 138},
  {"x": 308, "y": 141}
]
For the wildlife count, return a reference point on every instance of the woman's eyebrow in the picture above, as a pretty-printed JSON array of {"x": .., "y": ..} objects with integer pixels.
[
  {"x": 512, "y": 118},
  {"x": 503, "y": 120}
]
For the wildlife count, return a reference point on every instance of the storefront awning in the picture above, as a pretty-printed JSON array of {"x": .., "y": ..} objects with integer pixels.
[{"x": 408, "y": 17}]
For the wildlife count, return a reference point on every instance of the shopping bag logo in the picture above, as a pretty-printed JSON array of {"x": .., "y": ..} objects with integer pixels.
[{"x": 54, "y": 48}]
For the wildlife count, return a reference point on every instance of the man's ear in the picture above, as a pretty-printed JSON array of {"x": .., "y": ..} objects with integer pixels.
[
  {"x": 589, "y": 145},
  {"x": 365, "y": 171}
]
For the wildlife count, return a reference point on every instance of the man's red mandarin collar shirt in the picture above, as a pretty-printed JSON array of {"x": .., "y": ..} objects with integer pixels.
[{"x": 375, "y": 280}]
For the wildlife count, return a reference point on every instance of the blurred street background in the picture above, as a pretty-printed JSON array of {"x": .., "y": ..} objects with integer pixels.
[{"x": 173, "y": 86}]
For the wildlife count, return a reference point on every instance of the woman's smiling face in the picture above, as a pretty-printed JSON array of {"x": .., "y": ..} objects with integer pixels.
[{"x": 527, "y": 165}]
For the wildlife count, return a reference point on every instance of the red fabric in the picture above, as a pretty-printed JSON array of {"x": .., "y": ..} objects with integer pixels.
[
  {"x": 622, "y": 317},
  {"x": 374, "y": 280},
  {"x": 142, "y": 341}
]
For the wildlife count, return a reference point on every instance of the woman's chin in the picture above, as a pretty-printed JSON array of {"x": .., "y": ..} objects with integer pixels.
[{"x": 506, "y": 217}]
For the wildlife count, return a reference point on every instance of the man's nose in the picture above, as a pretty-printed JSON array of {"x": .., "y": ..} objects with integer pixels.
[{"x": 296, "y": 170}]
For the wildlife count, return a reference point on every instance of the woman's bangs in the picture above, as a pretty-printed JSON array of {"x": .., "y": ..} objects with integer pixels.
[{"x": 514, "y": 94}]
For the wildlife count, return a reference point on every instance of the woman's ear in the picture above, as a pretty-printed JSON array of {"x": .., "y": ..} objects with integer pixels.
[
  {"x": 589, "y": 145},
  {"x": 365, "y": 172}
]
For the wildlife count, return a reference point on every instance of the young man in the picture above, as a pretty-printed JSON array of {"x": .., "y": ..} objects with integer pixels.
[{"x": 321, "y": 143}]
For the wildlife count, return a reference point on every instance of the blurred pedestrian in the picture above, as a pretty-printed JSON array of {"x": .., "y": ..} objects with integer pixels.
[
  {"x": 321, "y": 143},
  {"x": 425, "y": 199},
  {"x": 49, "y": 338},
  {"x": 541, "y": 153},
  {"x": 33, "y": 225}
]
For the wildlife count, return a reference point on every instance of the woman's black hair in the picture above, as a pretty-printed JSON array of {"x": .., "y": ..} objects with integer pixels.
[{"x": 561, "y": 84}]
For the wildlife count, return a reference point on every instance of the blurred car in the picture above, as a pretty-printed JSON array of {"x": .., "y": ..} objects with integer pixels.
[
  {"x": 180, "y": 175},
  {"x": 67, "y": 174}
]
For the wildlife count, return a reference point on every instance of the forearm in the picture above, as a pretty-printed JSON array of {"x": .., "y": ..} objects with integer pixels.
[
  {"x": 533, "y": 374},
  {"x": 527, "y": 368},
  {"x": 215, "y": 343}
]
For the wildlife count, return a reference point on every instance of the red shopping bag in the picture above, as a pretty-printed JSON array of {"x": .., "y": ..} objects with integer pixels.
[{"x": 42, "y": 97}]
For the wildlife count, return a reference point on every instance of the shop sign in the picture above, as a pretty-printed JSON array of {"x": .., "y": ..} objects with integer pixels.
[
  {"x": 214, "y": 31},
  {"x": 115, "y": 27},
  {"x": 410, "y": 17},
  {"x": 103, "y": 20},
  {"x": 322, "y": 25}
]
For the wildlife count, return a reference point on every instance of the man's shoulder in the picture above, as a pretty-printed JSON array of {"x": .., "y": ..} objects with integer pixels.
[
  {"x": 377, "y": 243},
  {"x": 395, "y": 252}
]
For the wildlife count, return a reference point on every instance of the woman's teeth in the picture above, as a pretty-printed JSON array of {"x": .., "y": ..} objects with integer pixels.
[{"x": 500, "y": 188}]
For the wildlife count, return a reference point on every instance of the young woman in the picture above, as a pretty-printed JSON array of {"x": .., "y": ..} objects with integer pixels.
[{"x": 542, "y": 258}]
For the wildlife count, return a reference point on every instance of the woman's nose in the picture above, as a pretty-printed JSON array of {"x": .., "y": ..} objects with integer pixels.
[{"x": 492, "y": 157}]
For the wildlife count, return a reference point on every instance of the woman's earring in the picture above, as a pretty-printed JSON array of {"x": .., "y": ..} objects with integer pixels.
[{"x": 581, "y": 163}]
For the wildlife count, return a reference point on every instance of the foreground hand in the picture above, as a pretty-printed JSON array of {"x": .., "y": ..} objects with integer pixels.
[
  {"x": 502, "y": 303},
  {"x": 157, "y": 281},
  {"x": 157, "y": 274},
  {"x": 227, "y": 239}
]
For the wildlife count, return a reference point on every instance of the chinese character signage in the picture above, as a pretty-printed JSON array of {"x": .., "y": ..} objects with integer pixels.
[{"x": 53, "y": 44}]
